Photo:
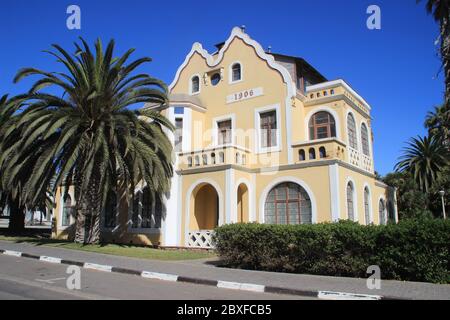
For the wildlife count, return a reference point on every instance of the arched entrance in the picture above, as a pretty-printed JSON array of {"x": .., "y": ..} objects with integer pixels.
[
  {"x": 243, "y": 204},
  {"x": 203, "y": 215}
]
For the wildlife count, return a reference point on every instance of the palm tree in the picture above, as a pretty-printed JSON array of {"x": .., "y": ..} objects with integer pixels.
[
  {"x": 424, "y": 158},
  {"x": 438, "y": 123},
  {"x": 440, "y": 9},
  {"x": 9, "y": 197},
  {"x": 89, "y": 136}
]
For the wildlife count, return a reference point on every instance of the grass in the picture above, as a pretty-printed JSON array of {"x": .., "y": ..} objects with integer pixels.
[{"x": 114, "y": 249}]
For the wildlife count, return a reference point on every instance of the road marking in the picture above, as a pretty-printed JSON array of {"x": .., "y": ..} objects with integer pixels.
[
  {"x": 12, "y": 253},
  {"x": 159, "y": 276},
  {"x": 50, "y": 259},
  {"x": 330, "y": 295},
  {"x": 50, "y": 281},
  {"x": 98, "y": 267},
  {"x": 240, "y": 286}
]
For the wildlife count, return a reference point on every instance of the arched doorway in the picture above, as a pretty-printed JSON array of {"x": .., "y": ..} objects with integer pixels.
[
  {"x": 203, "y": 215},
  {"x": 242, "y": 203}
]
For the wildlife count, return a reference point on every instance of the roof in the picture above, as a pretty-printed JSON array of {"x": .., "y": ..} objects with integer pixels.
[{"x": 304, "y": 63}]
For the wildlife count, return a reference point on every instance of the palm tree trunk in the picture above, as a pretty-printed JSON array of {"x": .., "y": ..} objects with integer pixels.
[
  {"x": 88, "y": 215},
  {"x": 17, "y": 217}
]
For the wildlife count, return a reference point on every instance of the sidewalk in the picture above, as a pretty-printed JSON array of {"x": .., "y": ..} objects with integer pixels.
[{"x": 205, "y": 272}]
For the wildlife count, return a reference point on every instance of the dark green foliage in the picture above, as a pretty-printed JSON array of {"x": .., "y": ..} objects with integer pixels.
[{"x": 413, "y": 250}]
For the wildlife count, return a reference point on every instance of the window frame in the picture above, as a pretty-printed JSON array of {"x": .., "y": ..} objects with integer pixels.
[
  {"x": 191, "y": 85},
  {"x": 258, "y": 131},
  {"x": 215, "y": 125},
  {"x": 352, "y": 131},
  {"x": 314, "y": 126},
  {"x": 230, "y": 72},
  {"x": 364, "y": 125},
  {"x": 140, "y": 229}
]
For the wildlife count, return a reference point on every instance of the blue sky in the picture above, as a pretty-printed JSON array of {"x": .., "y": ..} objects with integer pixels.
[{"x": 395, "y": 69}]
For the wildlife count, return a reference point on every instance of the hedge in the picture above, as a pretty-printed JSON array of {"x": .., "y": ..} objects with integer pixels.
[{"x": 413, "y": 250}]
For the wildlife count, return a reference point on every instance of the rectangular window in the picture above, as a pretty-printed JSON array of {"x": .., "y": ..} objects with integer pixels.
[
  {"x": 224, "y": 132},
  {"x": 268, "y": 121},
  {"x": 178, "y": 134}
]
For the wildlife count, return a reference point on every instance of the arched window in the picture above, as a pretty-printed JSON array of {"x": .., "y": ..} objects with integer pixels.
[
  {"x": 236, "y": 72},
  {"x": 351, "y": 129},
  {"x": 350, "y": 202},
  {"x": 322, "y": 153},
  {"x": 367, "y": 205},
  {"x": 288, "y": 203},
  {"x": 312, "y": 154},
  {"x": 301, "y": 155},
  {"x": 147, "y": 209},
  {"x": 365, "y": 140},
  {"x": 382, "y": 212},
  {"x": 195, "y": 85},
  {"x": 67, "y": 211},
  {"x": 321, "y": 126}
]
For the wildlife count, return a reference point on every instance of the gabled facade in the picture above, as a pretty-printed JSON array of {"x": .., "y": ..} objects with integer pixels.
[{"x": 260, "y": 137}]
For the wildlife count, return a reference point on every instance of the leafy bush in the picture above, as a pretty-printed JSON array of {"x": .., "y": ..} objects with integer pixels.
[{"x": 413, "y": 250}]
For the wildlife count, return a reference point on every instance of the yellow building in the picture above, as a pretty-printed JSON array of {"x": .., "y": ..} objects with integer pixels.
[{"x": 260, "y": 137}]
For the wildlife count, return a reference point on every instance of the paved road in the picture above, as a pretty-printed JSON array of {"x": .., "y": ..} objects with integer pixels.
[{"x": 22, "y": 278}]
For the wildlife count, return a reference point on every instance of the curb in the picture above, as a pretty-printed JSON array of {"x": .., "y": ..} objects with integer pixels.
[{"x": 324, "y": 295}]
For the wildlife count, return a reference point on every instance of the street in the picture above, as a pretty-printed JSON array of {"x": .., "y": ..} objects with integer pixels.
[{"x": 22, "y": 278}]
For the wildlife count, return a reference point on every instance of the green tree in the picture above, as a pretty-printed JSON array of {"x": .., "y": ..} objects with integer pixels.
[
  {"x": 411, "y": 201},
  {"x": 424, "y": 158},
  {"x": 440, "y": 9},
  {"x": 438, "y": 123},
  {"x": 89, "y": 136}
]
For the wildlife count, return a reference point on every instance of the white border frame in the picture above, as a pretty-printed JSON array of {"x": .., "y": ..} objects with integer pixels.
[
  {"x": 215, "y": 127},
  {"x": 385, "y": 213},
  {"x": 366, "y": 185},
  {"x": 199, "y": 84},
  {"x": 357, "y": 131},
  {"x": 257, "y": 126},
  {"x": 287, "y": 179},
  {"x": 369, "y": 138},
  {"x": 230, "y": 73},
  {"x": 337, "y": 120},
  {"x": 355, "y": 200},
  {"x": 187, "y": 203},
  {"x": 146, "y": 231}
]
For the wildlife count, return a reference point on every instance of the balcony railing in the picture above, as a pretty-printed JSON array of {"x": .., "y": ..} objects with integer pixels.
[
  {"x": 215, "y": 156},
  {"x": 320, "y": 150},
  {"x": 360, "y": 160}
]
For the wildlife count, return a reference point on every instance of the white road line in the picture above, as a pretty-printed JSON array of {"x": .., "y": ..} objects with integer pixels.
[
  {"x": 98, "y": 267},
  {"x": 330, "y": 295},
  {"x": 240, "y": 286},
  {"x": 12, "y": 253},
  {"x": 159, "y": 276},
  {"x": 50, "y": 259}
]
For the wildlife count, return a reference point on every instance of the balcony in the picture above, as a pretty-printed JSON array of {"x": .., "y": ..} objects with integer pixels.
[
  {"x": 213, "y": 157},
  {"x": 324, "y": 149}
]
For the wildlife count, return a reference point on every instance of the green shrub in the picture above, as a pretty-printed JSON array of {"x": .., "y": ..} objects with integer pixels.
[{"x": 413, "y": 250}]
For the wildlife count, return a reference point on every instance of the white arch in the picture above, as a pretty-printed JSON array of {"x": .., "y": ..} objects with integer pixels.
[
  {"x": 287, "y": 179},
  {"x": 230, "y": 72},
  {"x": 371, "y": 220},
  {"x": 369, "y": 138},
  {"x": 357, "y": 129},
  {"x": 251, "y": 197},
  {"x": 187, "y": 202},
  {"x": 329, "y": 110},
  {"x": 199, "y": 84},
  {"x": 355, "y": 199},
  {"x": 382, "y": 197}
]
